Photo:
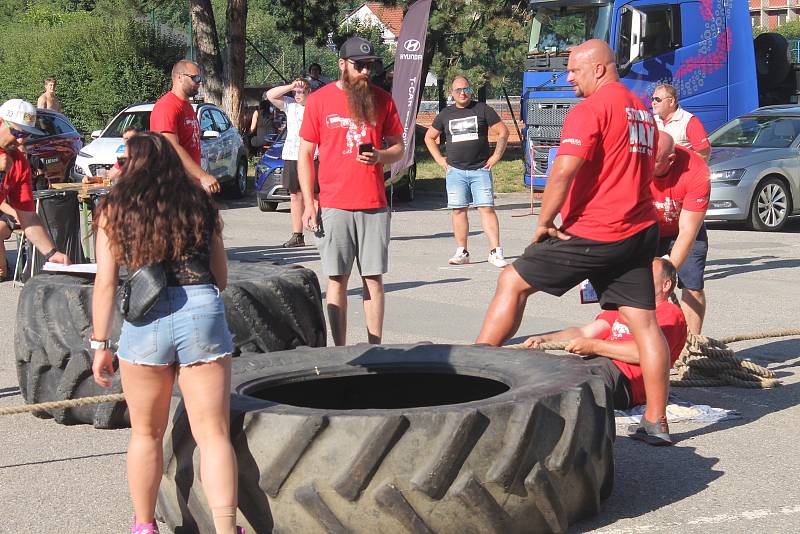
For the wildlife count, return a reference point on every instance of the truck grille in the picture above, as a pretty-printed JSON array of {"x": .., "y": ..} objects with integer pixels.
[
  {"x": 544, "y": 121},
  {"x": 544, "y": 113}
]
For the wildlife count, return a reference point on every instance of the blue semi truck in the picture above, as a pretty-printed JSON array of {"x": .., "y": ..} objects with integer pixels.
[{"x": 704, "y": 48}]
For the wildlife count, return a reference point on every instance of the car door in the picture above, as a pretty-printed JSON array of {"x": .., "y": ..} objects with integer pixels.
[
  {"x": 228, "y": 159},
  {"x": 210, "y": 148}
]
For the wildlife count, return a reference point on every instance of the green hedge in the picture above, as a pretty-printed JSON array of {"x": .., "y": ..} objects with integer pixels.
[{"x": 101, "y": 65}]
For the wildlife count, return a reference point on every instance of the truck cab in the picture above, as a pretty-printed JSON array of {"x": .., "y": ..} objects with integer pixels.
[{"x": 704, "y": 48}]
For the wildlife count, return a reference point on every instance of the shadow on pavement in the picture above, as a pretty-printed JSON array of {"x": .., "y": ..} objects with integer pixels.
[
  {"x": 400, "y": 286},
  {"x": 275, "y": 254},
  {"x": 724, "y": 268}
]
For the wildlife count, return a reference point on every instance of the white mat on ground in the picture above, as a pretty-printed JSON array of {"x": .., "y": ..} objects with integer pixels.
[{"x": 679, "y": 411}]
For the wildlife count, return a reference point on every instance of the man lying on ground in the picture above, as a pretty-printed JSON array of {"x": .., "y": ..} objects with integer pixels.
[{"x": 610, "y": 344}]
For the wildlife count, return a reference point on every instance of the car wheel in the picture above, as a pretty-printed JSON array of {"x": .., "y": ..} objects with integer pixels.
[
  {"x": 264, "y": 205},
  {"x": 238, "y": 186},
  {"x": 406, "y": 192},
  {"x": 770, "y": 206}
]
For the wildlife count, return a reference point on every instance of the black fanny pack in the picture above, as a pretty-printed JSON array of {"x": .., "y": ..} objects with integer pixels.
[{"x": 140, "y": 292}]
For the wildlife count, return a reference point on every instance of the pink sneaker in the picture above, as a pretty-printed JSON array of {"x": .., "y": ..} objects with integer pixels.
[{"x": 145, "y": 528}]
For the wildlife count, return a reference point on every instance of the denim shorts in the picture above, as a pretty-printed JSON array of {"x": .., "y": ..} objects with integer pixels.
[
  {"x": 186, "y": 326},
  {"x": 465, "y": 187},
  {"x": 690, "y": 275}
]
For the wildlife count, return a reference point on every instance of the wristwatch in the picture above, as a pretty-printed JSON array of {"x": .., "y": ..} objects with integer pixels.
[
  {"x": 50, "y": 254},
  {"x": 97, "y": 344}
]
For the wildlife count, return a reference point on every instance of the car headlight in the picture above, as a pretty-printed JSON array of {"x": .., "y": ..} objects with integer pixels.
[
  {"x": 78, "y": 170},
  {"x": 729, "y": 177},
  {"x": 278, "y": 171},
  {"x": 85, "y": 154}
]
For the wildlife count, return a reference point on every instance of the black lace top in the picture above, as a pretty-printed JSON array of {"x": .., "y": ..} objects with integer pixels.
[{"x": 193, "y": 268}]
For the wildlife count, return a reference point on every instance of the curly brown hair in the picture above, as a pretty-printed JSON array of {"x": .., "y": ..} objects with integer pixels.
[{"x": 155, "y": 211}]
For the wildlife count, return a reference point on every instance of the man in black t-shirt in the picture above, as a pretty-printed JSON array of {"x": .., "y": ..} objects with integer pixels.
[{"x": 468, "y": 166}]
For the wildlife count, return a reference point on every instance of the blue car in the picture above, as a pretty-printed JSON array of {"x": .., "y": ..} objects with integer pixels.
[{"x": 269, "y": 171}]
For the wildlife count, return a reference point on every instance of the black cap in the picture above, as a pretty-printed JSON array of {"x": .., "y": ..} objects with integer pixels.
[{"x": 358, "y": 49}]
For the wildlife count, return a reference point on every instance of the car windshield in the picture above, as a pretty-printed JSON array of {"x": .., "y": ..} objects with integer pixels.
[
  {"x": 557, "y": 28},
  {"x": 137, "y": 119},
  {"x": 757, "y": 132}
]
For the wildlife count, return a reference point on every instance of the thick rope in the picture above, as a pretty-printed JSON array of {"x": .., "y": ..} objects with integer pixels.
[{"x": 57, "y": 405}]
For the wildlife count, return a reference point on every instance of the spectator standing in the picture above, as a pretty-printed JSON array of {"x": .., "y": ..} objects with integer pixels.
[
  {"x": 262, "y": 124},
  {"x": 349, "y": 120},
  {"x": 468, "y": 166},
  {"x": 609, "y": 339},
  {"x": 600, "y": 182},
  {"x": 157, "y": 214},
  {"x": 48, "y": 99},
  {"x": 293, "y": 108},
  {"x": 315, "y": 77},
  {"x": 686, "y": 129},
  {"x": 681, "y": 188},
  {"x": 17, "y": 123},
  {"x": 174, "y": 116}
]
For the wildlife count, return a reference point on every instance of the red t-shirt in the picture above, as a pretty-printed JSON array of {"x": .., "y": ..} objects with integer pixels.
[
  {"x": 697, "y": 134},
  {"x": 685, "y": 187},
  {"x": 176, "y": 116},
  {"x": 673, "y": 324},
  {"x": 16, "y": 187},
  {"x": 615, "y": 135},
  {"x": 344, "y": 182}
]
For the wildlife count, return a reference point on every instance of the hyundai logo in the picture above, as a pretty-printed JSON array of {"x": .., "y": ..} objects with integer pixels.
[{"x": 412, "y": 45}]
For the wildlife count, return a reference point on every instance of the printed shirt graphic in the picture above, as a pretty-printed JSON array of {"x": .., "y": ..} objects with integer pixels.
[
  {"x": 176, "y": 116},
  {"x": 616, "y": 136},
  {"x": 672, "y": 322},
  {"x": 344, "y": 182},
  {"x": 16, "y": 187},
  {"x": 466, "y": 132},
  {"x": 294, "y": 118},
  {"x": 685, "y": 187}
]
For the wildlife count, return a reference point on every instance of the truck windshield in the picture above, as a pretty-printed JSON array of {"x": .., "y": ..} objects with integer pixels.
[
  {"x": 556, "y": 28},
  {"x": 760, "y": 132}
]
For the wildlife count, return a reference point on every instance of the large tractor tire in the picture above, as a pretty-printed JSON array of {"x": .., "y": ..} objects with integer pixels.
[
  {"x": 268, "y": 308},
  {"x": 407, "y": 438}
]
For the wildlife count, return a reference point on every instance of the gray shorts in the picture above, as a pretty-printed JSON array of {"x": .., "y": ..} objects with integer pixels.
[{"x": 361, "y": 235}]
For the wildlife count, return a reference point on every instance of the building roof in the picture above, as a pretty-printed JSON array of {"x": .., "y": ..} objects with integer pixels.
[{"x": 390, "y": 16}]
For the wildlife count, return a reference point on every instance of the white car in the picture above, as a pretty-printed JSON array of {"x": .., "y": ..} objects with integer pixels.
[{"x": 222, "y": 150}]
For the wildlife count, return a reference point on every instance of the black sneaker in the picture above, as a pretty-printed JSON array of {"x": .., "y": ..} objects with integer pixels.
[
  {"x": 297, "y": 240},
  {"x": 656, "y": 434}
]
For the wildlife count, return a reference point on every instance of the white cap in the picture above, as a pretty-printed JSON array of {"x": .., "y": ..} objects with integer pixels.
[{"x": 21, "y": 115}]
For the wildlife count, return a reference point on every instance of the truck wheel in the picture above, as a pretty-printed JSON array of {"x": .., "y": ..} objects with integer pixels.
[
  {"x": 770, "y": 206},
  {"x": 405, "y": 438},
  {"x": 281, "y": 305},
  {"x": 264, "y": 205}
]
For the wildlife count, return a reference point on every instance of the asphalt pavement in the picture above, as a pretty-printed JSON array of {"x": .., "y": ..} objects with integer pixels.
[{"x": 734, "y": 476}]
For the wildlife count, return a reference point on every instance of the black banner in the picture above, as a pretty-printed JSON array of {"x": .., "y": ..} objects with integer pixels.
[{"x": 409, "y": 80}]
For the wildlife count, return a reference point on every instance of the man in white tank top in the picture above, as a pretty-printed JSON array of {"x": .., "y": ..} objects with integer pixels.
[
  {"x": 685, "y": 128},
  {"x": 293, "y": 107}
]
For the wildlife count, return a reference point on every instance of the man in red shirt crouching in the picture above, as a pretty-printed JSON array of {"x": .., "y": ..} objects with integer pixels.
[{"x": 616, "y": 354}]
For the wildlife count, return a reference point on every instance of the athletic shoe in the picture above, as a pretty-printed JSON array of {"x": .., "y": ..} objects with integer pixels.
[
  {"x": 297, "y": 240},
  {"x": 240, "y": 530},
  {"x": 461, "y": 257},
  {"x": 651, "y": 433},
  {"x": 496, "y": 258},
  {"x": 145, "y": 528}
]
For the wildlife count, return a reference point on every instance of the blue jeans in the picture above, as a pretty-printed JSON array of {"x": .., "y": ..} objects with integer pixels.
[
  {"x": 465, "y": 185},
  {"x": 186, "y": 326}
]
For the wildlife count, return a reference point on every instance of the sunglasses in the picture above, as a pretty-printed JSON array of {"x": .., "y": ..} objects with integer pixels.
[
  {"x": 463, "y": 90},
  {"x": 361, "y": 65},
  {"x": 121, "y": 161},
  {"x": 196, "y": 78},
  {"x": 658, "y": 99},
  {"x": 18, "y": 134}
]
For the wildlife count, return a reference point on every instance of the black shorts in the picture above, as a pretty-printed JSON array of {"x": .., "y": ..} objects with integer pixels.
[
  {"x": 615, "y": 381},
  {"x": 621, "y": 271},
  {"x": 690, "y": 275},
  {"x": 290, "y": 179},
  {"x": 8, "y": 220}
]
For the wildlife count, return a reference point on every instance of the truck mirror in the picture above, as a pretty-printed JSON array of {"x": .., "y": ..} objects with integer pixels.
[{"x": 630, "y": 40}]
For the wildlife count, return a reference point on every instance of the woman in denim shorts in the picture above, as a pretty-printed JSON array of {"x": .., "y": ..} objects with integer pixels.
[{"x": 156, "y": 213}]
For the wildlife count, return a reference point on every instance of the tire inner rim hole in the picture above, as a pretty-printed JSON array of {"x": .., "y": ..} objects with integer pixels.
[{"x": 384, "y": 390}]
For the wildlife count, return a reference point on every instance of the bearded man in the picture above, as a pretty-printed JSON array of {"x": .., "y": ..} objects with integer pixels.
[{"x": 357, "y": 130}]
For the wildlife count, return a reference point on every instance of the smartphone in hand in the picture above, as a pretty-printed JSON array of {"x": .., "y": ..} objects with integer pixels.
[{"x": 365, "y": 147}]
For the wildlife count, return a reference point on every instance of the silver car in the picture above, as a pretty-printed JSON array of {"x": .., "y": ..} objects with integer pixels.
[{"x": 755, "y": 168}]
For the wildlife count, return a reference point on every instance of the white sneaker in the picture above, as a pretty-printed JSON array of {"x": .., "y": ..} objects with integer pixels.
[
  {"x": 496, "y": 258},
  {"x": 461, "y": 257}
]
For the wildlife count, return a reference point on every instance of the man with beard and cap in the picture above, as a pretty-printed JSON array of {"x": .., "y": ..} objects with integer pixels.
[
  {"x": 174, "y": 116},
  {"x": 358, "y": 131},
  {"x": 17, "y": 123},
  {"x": 600, "y": 183}
]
